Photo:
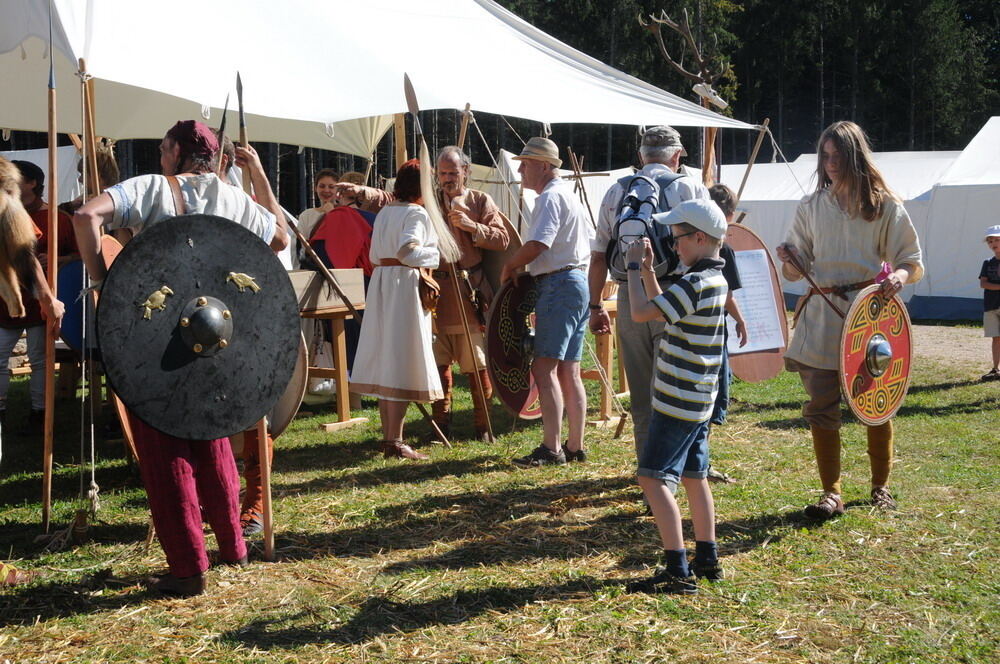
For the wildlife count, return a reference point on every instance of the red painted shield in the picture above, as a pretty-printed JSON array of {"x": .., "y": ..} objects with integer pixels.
[
  {"x": 876, "y": 352},
  {"x": 508, "y": 347}
]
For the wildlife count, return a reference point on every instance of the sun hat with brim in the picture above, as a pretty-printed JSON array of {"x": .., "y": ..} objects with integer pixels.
[
  {"x": 662, "y": 136},
  {"x": 702, "y": 214},
  {"x": 541, "y": 149},
  {"x": 992, "y": 231}
]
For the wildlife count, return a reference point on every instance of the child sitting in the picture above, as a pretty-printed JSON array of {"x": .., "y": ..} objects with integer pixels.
[{"x": 685, "y": 384}]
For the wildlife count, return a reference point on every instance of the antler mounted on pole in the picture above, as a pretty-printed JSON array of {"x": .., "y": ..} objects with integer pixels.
[{"x": 709, "y": 70}]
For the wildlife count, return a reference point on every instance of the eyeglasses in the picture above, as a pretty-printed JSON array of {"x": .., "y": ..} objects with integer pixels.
[{"x": 673, "y": 240}]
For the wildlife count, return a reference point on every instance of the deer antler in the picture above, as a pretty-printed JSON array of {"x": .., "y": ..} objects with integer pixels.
[{"x": 705, "y": 73}]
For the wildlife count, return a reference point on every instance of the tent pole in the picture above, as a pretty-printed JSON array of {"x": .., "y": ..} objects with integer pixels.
[
  {"x": 753, "y": 157},
  {"x": 465, "y": 126},
  {"x": 399, "y": 139}
]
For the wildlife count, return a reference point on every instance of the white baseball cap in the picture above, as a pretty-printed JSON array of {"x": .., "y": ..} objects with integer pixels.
[
  {"x": 703, "y": 214},
  {"x": 992, "y": 231}
]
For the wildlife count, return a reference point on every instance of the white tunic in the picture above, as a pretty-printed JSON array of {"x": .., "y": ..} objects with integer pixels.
[
  {"x": 840, "y": 250},
  {"x": 395, "y": 359}
]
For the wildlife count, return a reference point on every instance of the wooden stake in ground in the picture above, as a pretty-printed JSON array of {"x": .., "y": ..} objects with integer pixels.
[{"x": 265, "y": 493}]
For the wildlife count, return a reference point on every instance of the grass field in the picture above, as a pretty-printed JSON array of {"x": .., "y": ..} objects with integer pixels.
[{"x": 466, "y": 559}]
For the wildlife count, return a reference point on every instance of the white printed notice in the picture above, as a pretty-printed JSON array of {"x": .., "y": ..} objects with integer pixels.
[{"x": 757, "y": 304}]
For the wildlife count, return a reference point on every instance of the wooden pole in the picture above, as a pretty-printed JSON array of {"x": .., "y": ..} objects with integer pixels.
[
  {"x": 265, "y": 489},
  {"x": 50, "y": 337},
  {"x": 753, "y": 157},
  {"x": 464, "y": 129},
  {"x": 577, "y": 165},
  {"x": 708, "y": 156},
  {"x": 399, "y": 135}
]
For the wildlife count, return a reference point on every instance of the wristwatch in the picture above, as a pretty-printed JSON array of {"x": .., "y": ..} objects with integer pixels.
[
  {"x": 596, "y": 307},
  {"x": 633, "y": 266}
]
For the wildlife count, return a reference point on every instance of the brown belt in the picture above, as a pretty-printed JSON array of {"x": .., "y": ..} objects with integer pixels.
[
  {"x": 392, "y": 262},
  {"x": 839, "y": 291},
  {"x": 463, "y": 273},
  {"x": 562, "y": 269}
]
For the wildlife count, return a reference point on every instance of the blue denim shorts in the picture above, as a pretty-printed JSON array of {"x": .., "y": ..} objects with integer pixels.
[
  {"x": 561, "y": 315},
  {"x": 675, "y": 449}
]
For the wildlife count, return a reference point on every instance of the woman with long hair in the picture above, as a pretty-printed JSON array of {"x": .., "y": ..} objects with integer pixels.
[
  {"x": 395, "y": 360},
  {"x": 843, "y": 233}
]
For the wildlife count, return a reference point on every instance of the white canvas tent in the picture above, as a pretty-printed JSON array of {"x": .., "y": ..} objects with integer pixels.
[
  {"x": 950, "y": 196},
  {"x": 310, "y": 69},
  {"x": 69, "y": 179}
]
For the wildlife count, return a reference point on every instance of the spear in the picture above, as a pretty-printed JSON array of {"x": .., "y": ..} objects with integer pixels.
[
  {"x": 222, "y": 135},
  {"x": 247, "y": 186},
  {"x": 50, "y": 337},
  {"x": 430, "y": 203}
]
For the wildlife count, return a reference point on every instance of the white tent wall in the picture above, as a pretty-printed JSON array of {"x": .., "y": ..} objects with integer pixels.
[
  {"x": 950, "y": 197},
  {"x": 67, "y": 159}
]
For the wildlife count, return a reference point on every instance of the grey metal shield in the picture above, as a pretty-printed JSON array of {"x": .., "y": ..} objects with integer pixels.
[{"x": 198, "y": 326}]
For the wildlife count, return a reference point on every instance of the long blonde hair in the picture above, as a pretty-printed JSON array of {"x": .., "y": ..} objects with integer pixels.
[
  {"x": 17, "y": 238},
  {"x": 865, "y": 186}
]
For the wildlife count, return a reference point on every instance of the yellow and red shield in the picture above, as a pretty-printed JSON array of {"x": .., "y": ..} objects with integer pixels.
[{"x": 876, "y": 352}]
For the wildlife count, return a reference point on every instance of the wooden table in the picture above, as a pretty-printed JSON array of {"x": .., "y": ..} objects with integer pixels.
[{"x": 337, "y": 316}]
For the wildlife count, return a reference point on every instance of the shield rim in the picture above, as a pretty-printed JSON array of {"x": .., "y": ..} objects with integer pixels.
[
  {"x": 861, "y": 297},
  {"x": 301, "y": 362}
]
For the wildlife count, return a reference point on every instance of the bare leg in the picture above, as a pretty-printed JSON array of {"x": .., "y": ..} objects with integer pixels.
[
  {"x": 392, "y": 414},
  {"x": 575, "y": 400},
  {"x": 665, "y": 512},
  {"x": 996, "y": 353},
  {"x": 550, "y": 396},
  {"x": 702, "y": 508}
]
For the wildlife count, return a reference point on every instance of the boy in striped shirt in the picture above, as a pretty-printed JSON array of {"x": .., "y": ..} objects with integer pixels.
[{"x": 685, "y": 383}]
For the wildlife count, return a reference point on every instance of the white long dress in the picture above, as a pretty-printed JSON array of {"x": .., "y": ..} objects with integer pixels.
[{"x": 395, "y": 359}]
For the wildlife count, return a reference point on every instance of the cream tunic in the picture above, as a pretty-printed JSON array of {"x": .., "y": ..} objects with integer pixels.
[
  {"x": 839, "y": 250},
  {"x": 394, "y": 359}
]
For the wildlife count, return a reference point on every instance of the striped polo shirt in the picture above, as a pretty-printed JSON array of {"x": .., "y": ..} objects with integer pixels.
[{"x": 686, "y": 378}]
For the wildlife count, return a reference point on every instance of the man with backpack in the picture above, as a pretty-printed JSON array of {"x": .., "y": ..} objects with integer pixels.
[{"x": 626, "y": 214}]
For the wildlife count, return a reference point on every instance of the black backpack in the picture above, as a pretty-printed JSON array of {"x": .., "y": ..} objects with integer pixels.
[{"x": 642, "y": 197}]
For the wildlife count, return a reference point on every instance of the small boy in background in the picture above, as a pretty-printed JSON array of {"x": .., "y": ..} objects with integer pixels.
[
  {"x": 989, "y": 281},
  {"x": 686, "y": 380}
]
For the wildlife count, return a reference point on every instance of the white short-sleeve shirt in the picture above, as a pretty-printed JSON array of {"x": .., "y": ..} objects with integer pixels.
[
  {"x": 145, "y": 200},
  {"x": 560, "y": 222}
]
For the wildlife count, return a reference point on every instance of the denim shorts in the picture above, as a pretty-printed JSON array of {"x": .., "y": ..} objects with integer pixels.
[
  {"x": 675, "y": 449},
  {"x": 561, "y": 315}
]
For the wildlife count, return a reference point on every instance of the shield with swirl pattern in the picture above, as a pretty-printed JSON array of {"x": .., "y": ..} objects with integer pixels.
[
  {"x": 876, "y": 352},
  {"x": 509, "y": 338}
]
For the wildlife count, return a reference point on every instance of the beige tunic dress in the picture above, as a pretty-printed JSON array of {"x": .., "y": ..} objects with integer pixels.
[
  {"x": 394, "y": 359},
  {"x": 837, "y": 250}
]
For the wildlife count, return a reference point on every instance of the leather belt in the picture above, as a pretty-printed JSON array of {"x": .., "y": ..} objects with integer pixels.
[
  {"x": 392, "y": 262},
  {"x": 462, "y": 273},
  {"x": 839, "y": 291},
  {"x": 562, "y": 269}
]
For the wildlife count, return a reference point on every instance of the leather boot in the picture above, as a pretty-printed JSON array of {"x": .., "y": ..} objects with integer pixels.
[
  {"x": 826, "y": 445},
  {"x": 168, "y": 584},
  {"x": 441, "y": 409},
  {"x": 400, "y": 450},
  {"x": 479, "y": 404}
]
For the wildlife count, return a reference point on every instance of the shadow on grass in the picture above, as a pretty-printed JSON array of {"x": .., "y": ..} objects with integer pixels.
[
  {"x": 17, "y": 539},
  {"x": 381, "y": 615},
  {"x": 27, "y": 488},
  {"x": 27, "y": 605},
  {"x": 490, "y": 518},
  {"x": 401, "y": 473}
]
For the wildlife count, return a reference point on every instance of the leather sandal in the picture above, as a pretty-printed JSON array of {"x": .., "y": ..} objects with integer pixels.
[
  {"x": 830, "y": 505},
  {"x": 400, "y": 450}
]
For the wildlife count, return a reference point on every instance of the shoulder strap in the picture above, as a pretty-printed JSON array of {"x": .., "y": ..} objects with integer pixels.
[
  {"x": 175, "y": 191},
  {"x": 664, "y": 181}
]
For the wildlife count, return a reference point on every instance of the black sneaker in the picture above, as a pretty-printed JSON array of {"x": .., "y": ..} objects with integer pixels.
[
  {"x": 664, "y": 582},
  {"x": 580, "y": 455},
  {"x": 992, "y": 374},
  {"x": 540, "y": 456},
  {"x": 710, "y": 571}
]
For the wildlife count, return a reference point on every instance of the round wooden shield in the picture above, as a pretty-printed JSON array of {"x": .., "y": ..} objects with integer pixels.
[
  {"x": 291, "y": 399},
  {"x": 199, "y": 327},
  {"x": 763, "y": 307},
  {"x": 876, "y": 351},
  {"x": 70, "y": 278},
  {"x": 509, "y": 339}
]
